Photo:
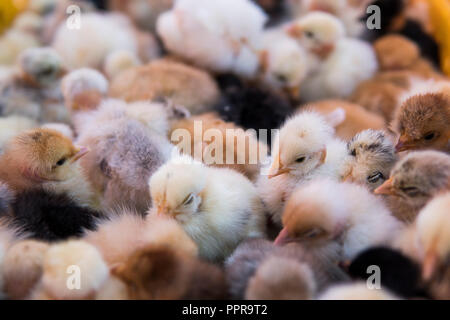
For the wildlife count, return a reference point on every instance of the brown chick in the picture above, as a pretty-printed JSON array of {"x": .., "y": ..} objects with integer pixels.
[
  {"x": 211, "y": 122},
  {"x": 167, "y": 79},
  {"x": 414, "y": 181},
  {"x": 22, "y": 267},
  {"x": 423, "y": 120},
  {"x": 355, "y": 118},
  {"x": 160, "y": 273}
]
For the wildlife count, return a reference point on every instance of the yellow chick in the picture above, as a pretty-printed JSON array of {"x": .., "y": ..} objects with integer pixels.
[{"x": 218, "y": 208}]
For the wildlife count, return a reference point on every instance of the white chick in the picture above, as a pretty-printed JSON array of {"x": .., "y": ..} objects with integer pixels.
[
  {"x": 66, "y": 259},
  {"x": 305, "y": 149},
  {"x": 284, "y": 63},
  {"x": 344, "y": 62},
  {"x": 118, "y": 61},
  {"x": 217, "y": 207},
  {"x": 220, "y": 35},
  {"x": 12, "y": 126},
  {"x": 325, "y": 212},
  {"x": 356, "y": 291},
  {"x": 83, "y": 89},
  {"x": 89, "y": 45},
  {"x": 433, "y": 234}
]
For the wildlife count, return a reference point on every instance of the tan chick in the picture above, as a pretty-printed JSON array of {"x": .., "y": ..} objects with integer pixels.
[
  {"x": 325, "y": 213},
  {"x": 253, "y": 153},
  {"x": 217, "y": 207},
  {"x": 161, "y": 273},
  {"x": 414, "y": 180},
  {"x": 22, "y": 268},
  {"x": 422, "y": 120},
  {"x": 352, "y": 119},
  {"x": 166, "y": 79},
  {"x": 46, "y": 158}
]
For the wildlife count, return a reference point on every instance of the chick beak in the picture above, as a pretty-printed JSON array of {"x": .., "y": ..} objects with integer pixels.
[
  {"x": 294, "y": 92},
  {"x": 283, "y": 238},
  {"x": 277, "y": 168},
  {"x": 323, "y": 156},
  {"x": 348, "y": 177},
  {"x": 294, "y": 31},
  {"x": 82, "y": 151},
  {"x": 429, "y": 264},
  {"x": 386, "y": 188},
  {"x": 403, "y": 144}
]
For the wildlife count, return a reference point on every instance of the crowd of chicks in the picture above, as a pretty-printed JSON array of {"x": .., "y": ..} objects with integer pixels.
[{"x": 359, "y": 170}]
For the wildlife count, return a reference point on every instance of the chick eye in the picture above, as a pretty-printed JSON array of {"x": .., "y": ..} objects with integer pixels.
[
  {"x": 188, "y": 200},
  {"x": 300, "y": 159},
  {"x": 429, "y": 136},
  {"x": 309, "y": 34},
  {"x": 310, "y": 234},
  {"x": 281, "y": 78},
  {"x": 411, "y": 191},
  {"x": 61, "y": 161},
  {"x": 353, "y": 152},
  {"x": 374, "y": 178}
]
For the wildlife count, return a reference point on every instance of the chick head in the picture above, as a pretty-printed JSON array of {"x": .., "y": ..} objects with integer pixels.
[
  {"x": 177, "y": 188},
  {"x": 313, "y": 215},
  {"x": 44, "y": 155},
  {"x": 318, "y": 32},
  {"x": 433, "y": 232},
  {"x": 41, "y": 66},
  {"x": 422, "y": 122},
  {"x": 418, "y": 176},
  {"x": 301, "y": 146},
  {"x": 372, "y": 158}
]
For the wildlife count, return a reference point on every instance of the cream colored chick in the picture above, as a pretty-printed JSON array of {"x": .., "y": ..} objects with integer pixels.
[
  {"x": 118, "y": 61},
  {"x": 279, "y": 278},
  {"x": 84, "y": 89},
  {"x": 433, "y": 235},
  {"x": 218, "y": 208},
  {"x": 345, "y": 62},
  {"x": 46, "y": 158},
  {"x": 71, "y": 258},
  {"x": 356, "y": 291},
  {"x": 372, "y": 156},
  {"x": 88, "y": 46},
  {"x": 324, "y": 212},
  {"x": 422, "y": 119},
  {"x": 304, "y": 150},
  {"x": 220, "y": 35},
  {"x": 415, "y": 179},
  {"x": 182, "y": 84},
  {"x": 121, "y": 234},
  {"x": 13, "y": 42},
  {"x": 347, "y": 118},
  {"x": 12, "y": 126},
  {"x": 284, "y": 63},
  {"x": 22, "y": 268}
]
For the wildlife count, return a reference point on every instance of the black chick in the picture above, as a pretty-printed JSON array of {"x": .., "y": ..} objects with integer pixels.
[
  {"x": 47, "y": 216},
  {"x": 399, "y": 274},
  {"x": 251, "y": 106}
]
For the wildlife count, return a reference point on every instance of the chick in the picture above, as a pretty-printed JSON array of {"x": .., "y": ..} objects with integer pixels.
[
  {"x": 219, "y": 35},
  {"x": 254, "y": 152},
  {"x": 252, "y": 254},
  {"x": 305, "y": 149},
  {"x": 356, "y": 291},
  {"x": 167, "y": 79},
  {"x": 217, "y": 207},
  {"x": 324, "y": 212},
  {"x": 281, "y": 279},
  {"x": 71, "y": 258},
  {"x": 355, "y": 118},
  {"x": 84, "y": 89},
  {"x": 240, "y": 99},
  {"x": 372, "y": 158},
  {"x": 22, "y": 267},
  {"x": 46, "y": 158},
  {"x": 125, "y": 152},
  {"x": 341, "y": 67},
  {"x": 118, "y": 236},
  {"x": 415, "y": 179},
  {"x": 13, "y": 42},
  {"x": 13, "y": 125},
  {"x": 118, "y": 61},
  {"x": 399, "y": 273},
  {"x": 422, "y": 120},
  {"x": 159, "y": 273},
  {"x": 88, "y": 46}
]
